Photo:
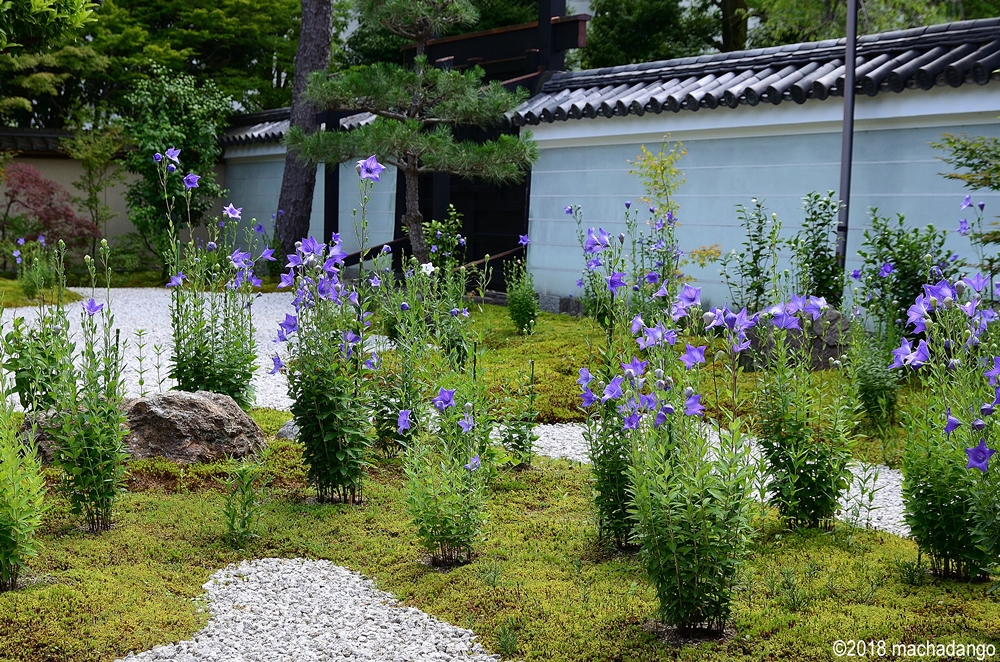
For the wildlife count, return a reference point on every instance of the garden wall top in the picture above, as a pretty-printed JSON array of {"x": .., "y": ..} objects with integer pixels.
[{"x": 920, "y": 58}]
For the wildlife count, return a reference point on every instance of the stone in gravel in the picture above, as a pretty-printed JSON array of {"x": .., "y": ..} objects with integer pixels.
[
  {"x": 288, "y": 431},
  {"x": 190, "y": 427}
]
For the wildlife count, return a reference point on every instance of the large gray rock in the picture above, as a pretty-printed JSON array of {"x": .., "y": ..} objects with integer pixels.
[
  {"x": 180, "y": 426},
  {"x": 190, "y": 427}
]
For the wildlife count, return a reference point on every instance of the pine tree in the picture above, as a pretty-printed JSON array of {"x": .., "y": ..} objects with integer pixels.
[{"x": 416, "y": 109}]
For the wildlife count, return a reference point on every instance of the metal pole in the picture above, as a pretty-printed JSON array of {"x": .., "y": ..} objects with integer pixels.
[{"x": 847, "y": 134}]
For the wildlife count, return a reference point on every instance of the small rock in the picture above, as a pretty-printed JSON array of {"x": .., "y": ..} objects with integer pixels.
[{"x": 288, "y": 431}]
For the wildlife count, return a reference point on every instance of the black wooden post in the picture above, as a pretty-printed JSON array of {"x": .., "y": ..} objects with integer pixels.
[
  {"x": 548, "y": 58},
  {"x": 847, "y": 134}
]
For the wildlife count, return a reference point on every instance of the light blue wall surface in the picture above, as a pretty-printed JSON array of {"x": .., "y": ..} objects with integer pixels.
[
  {"x": 895, "y": 170},
  {"x": 255, "y": 184},
  {"x": 380, "y": 212}
]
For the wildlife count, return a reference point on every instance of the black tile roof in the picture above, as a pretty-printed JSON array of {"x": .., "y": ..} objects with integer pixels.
[
  {"x": 270, "y": 126},
  {"x": 33, "y": 142},
  {"x": 947, "y": 54}
]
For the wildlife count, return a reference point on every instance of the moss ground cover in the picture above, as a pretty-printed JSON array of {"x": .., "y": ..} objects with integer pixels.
[
  {"x": 11, "y": 295},
  {"x": 541, "y": 588}
]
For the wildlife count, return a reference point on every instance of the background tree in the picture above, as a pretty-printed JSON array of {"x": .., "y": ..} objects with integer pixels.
[
  {"x": 245, "y": 47},
  {"x": 97, "y": 151},
  {"x": 416, "y": 109},
  {"x": 172, "y": 110},
  {"x": 299, "y": 176},
  {"x": 630, "y": 31},
  {"x": 372, "y": 42},
  {"x": 29, "y": 25}
]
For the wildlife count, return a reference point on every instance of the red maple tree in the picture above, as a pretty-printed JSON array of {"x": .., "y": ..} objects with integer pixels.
[{"x": 45, "y": 204}]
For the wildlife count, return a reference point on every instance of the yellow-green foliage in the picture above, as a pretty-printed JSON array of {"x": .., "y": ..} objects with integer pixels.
[
  {"x": 12, "y": 296},
  {"x": 560, "y": 346},
  {"x": 540, "y": 582}
]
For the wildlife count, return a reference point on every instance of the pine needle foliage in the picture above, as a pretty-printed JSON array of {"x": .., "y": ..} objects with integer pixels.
[{"x": 415, "y": 110}]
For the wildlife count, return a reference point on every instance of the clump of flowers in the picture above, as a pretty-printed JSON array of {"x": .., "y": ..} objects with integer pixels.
[
  {"x": 329, "y": 361},
  {"x": 446, "y": 481},
  {"x": 950, "y": 491},
  {"x": 211, "y": 299}
]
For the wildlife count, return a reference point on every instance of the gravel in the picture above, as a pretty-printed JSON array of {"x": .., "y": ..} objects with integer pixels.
[{"x": 311, "y": 611}]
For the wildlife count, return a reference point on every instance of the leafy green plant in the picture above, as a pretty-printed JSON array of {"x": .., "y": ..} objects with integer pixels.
[
  {"x": 875, "y": 387},
  {"x": 522, "y": 302},
  {"x": 329, "y": 361},
  {"x": 751, "y": 273},
  {"x": 948, "y": 489},
  {"x": 38, "y": 355},
  {"x": 518, "y": 436},
  {"x": 87, "y": 423},
  {"x": 446, "y": 484},
  {"x": 814, "y": 247},
  {"x": 805, "y": 440},
  {"x": 692, "y": 515},
  {"x": 22, "y": 494},
  {"x": 243, "y": 506},
  {"x": 211, "y": 300},
  {"x": 896, "y": 267},
  {"x": 445, "y": 243},
  {"x": 171, "y": 110}
]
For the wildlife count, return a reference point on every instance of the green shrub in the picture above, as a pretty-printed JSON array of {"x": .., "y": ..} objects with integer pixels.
[
  {"x": 211, "y": 300},
  {"x": 242, "y": 508},
  {"x": 814, "y": 248},
  {"x": 691, "y": 504},
  {"x": 518, "y": 436},
  {"x": 22, "y": 491},
  {"x": 37, "y": 355},
  {"x": 87, "y": 423},
  {"x": 522, "y": 302},
  {"x": 446, "y": 480},
  {"x": 804, "y": 440},
  {"x": 886, "y": 294}
]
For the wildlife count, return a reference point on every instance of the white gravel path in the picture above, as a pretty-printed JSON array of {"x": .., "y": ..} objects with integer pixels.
[{"x": 272, "y": 610}]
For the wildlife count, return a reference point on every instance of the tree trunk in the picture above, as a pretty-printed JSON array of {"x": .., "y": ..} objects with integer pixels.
[
  {"x": 734, "y": 25},
  {"x": 299, "y": 178},
  {"x": 413, "y": 219}
]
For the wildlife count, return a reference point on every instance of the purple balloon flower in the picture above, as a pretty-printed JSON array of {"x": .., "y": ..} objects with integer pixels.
[
  {"x": 951, "y": 423},
  {"x": 523, "y": 239},
  {"x": 370, "y": 168},
  {"x": 979, "y": 456},
  {"x": 689, "y": 296},
  {"x": 444, "y": 399},
  {"x": 783, "y": 320},
  {"x": 977, "y": 282},
  {"x": 290, "y": 325},
  {"x": 585, "y": 377},
  {"x": 403, "y": 421},
  {"x": 232, "y": 211},
  {"x": 661, "y": 416},
  {"x": 615, "y": 281},
  {"x": 613, "y": 391},
  {"x": 191, "y": 181},
  {"x": 693, "y": 356},
  {"x": 466, "y": 423},
  {"x": 177, "y": 279},
  {"x": 636, "y": 367},
  {"x": 966, "y": 203},
  {"x": 278, "y": 365},
  {"x": 473, "y": 463},
  {"x": 173, "y": 153},
  {"x": 588, "y": 397},
  {"x": 693, "y": 406},
  {"x": 886, "y": 269},
  {"x": 287, "y": 280},
  {"x": 92, "y": 307}
]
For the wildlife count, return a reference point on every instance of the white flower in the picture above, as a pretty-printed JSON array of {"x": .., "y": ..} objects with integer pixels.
[{"x": 427, "y": 268}]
